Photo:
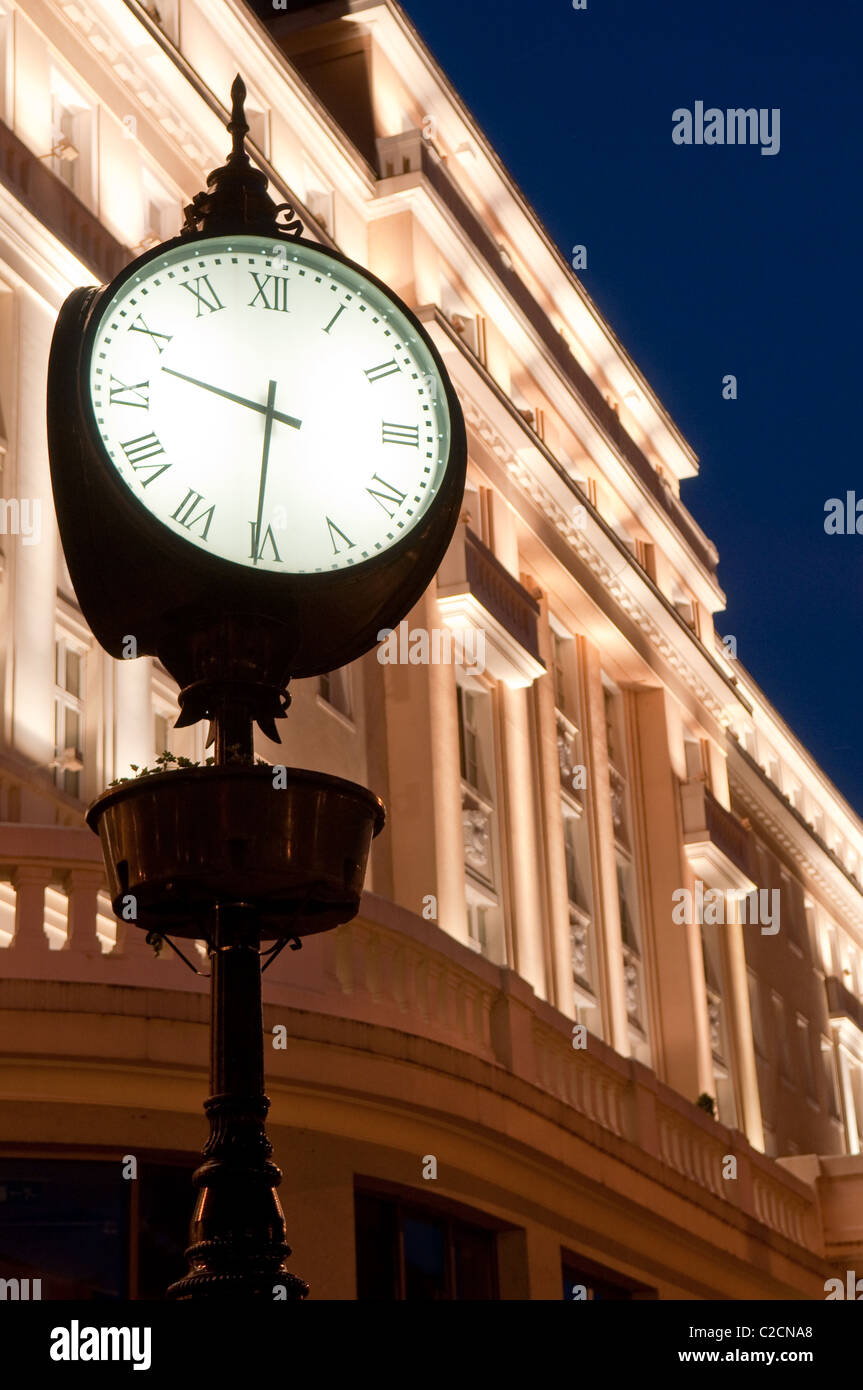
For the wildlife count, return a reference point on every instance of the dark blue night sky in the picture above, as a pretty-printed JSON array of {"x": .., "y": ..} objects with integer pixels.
[{"x": 708, "y": 260}]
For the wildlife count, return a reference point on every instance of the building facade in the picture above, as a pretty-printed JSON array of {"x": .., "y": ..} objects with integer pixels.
[{"x": 598, "y": 1028}]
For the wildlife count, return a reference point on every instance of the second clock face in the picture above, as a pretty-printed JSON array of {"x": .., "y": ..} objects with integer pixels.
[{"x": 269, "y": 404}]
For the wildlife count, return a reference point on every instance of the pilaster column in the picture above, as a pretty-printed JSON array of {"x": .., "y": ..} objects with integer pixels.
[
  {"x": 134, "y": 724},
  {"x": 680, "y": 1030},
  {"x": 849, "y": 1108},
  {"x": 606, "y": 906},
  {"x": 558, "y": 943},
  {"x": 424, "y": 812},
  {"x": 522, "y": 850},
  {"x": 746, "y": 1078}
]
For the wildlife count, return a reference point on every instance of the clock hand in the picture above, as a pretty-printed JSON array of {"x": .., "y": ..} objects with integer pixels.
[
  {"x": 239, "y": 400},
  {"x": 268, "y": 431}
]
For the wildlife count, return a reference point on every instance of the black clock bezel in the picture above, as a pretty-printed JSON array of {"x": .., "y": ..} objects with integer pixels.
[{"x": 133, "y": 574}]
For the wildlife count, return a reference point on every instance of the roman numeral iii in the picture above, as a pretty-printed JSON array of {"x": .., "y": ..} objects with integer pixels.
[
  {"x": 205, "y": 296},
  {"x": 188, "y": 516},
  {"x": 272, "y": 292},
  {"x": 400, "y": 434}
]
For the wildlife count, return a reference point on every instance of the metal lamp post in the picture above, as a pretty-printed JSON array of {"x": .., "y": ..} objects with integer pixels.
[{"x": 237, "y": 853}]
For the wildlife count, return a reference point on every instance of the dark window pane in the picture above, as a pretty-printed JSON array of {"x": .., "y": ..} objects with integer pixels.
[
  {"x": 425, "y": 1258},
  {"x": 474, "y": 1263},
  {"x": 599, "y": 1287},
  {"x": 66, "y": 1223},
  {"x": 166, "y": 1199},
  {"x": 377, "y": 1248}
]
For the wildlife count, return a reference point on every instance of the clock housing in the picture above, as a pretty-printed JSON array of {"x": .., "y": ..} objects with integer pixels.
[{"x": 140, "y": 571}]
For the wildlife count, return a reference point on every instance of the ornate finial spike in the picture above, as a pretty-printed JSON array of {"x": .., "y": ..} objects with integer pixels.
[{"x": 238, "y": 126}]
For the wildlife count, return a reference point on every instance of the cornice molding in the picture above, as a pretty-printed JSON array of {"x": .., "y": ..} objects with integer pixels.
[
  {"x": 754, "y": 797},
  {"x": 579, "y": 541}
]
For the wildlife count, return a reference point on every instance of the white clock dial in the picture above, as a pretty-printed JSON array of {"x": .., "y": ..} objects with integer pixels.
[{"x": 269, "y": 404}]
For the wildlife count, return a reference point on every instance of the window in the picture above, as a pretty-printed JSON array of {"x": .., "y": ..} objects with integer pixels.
[
  {"x": 408, "y": 1250},
  {"x": 828, "y": 1067},
  {"x": 335, "y": 688},
  {"x": 783, "y": 1048},
  {"x": 575, "y": 887},
  {"x": 165, "y": 14},
  {"x": 477, "y": 926},
  {"x": 319, "y": 197},
  {"x": 68, "y": 715},
  {"x": 697, "y": 759},
  {"x": 645, "y": 554},
  {"x": 87, "y": 1235},
  {"x": 807, "y": 1071},
  {"x": 558, "y": 668},
  {"x": 585, "y": 1280},
  {"x": 624, "y": 898},
  {"x": 633, "y": 976},
  {"x": 70, "y": 136},
  {"x": 474, "y": 737},
  {"x": 162, "y": 210},
  {"x": 756, "y": 1013},
  {"x": 161, "y": 734}
]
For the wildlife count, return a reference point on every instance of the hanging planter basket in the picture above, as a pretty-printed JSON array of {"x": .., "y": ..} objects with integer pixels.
[{"x": 291, "y": 844}]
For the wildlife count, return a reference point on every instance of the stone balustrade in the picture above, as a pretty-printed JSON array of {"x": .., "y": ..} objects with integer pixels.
[{"x": 391, "y": 969}]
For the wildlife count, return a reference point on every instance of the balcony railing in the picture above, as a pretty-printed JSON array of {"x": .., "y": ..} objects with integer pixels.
[
  {"x": 501, "y": 594},
  {"x": 476, "y": 591},
  {"x": 418, "y": 155},
  {"x": 57, "y": 207},
  {"x": 705, "y": 818},
  {"x": 841, "y": 1003}
]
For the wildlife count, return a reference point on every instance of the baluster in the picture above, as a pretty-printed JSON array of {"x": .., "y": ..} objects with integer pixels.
[
  {"x": 29, "y": 945},
  {"x": 83, "y": 887}
]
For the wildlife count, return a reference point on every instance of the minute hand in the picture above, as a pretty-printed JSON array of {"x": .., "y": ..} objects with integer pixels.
[{"x": 262, "y": 409}]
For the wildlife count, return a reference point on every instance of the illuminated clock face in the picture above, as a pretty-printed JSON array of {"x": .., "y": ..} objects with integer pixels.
[{"x": 269, "y": 404}]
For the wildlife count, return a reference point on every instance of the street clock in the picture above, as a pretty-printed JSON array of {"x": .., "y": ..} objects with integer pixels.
[{"x": 257, "y": 456}]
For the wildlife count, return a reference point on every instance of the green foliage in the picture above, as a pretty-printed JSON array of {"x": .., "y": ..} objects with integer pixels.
[
  {"x": 165, "y": 762},
  {"x": 171, "y": 762}
]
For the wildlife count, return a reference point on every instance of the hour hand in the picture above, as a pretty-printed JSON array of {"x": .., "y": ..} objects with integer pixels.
[{"x": 262, "y": 409}]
